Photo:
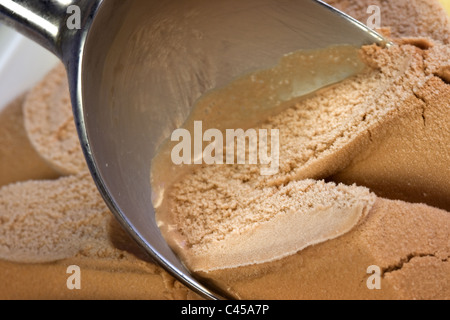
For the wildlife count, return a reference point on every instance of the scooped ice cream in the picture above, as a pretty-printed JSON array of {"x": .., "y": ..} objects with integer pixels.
[
  {"x": 408, "y": 242},
  {"x": 50, "y": 125},
  {"x": 19, "y": 161},
  {"x": 225, "y": 216}
]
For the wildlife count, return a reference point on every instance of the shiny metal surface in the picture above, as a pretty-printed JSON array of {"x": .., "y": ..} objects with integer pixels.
[
  {"x": 43, "y": 21},
  {"x": 137, "y": 66}
]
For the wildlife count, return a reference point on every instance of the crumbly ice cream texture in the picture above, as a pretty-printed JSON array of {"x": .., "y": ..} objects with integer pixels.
[
  {"x": 398, "y": 164},
  {"x": 405, "y": 240},
  {"x": 414, "y": 264},
  {"x": 19, "y": 161},
  {"x": 50, "y": 125},
  {"x": 73, "y": 216},
  {"x": 409, "y": 243},
  {"x": 222, "y": 224},
  {"x": 65, "y": 222},
  {"x": 216, "y": 213}
]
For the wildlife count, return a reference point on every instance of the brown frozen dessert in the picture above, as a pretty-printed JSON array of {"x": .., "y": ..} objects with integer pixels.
[
  {"x": 221, "y": 217},
  {"x": 50, "y": 125},
  {"x": 413, "y": 261},
  {"x": 409, "y": 156},
  {"x": 360, "y": 130},
  {"x": 47, "y": 226},
  {"x": 19, "y": 161},
  {"x": 318, "y": 137},
  {"x": 68, "y": 209},
  {"x": 409, "y": 243}
]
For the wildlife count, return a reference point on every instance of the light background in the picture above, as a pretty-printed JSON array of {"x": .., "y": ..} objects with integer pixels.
[{"x": 446, "y": 4}]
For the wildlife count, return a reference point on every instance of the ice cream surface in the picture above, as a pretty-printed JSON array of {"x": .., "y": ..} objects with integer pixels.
[
  {"x": 19, "y": 160},
  {"x": 49, "y": 123},
  {"x": 390, "y": 136},
  {"x": 223, "y": 216}
]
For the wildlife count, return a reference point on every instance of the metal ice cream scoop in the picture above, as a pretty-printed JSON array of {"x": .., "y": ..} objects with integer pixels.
[{"x": 136, "y": 67}]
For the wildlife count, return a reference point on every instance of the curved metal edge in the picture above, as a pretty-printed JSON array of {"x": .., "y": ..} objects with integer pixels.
[
  {"x": 37, "y": 20},
  {"x": 73, "y": 53},
  {"x": 380, "y": 40}
]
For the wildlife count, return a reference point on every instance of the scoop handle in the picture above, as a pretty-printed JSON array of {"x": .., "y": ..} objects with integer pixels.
[{"x": 49, "y": 23}]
